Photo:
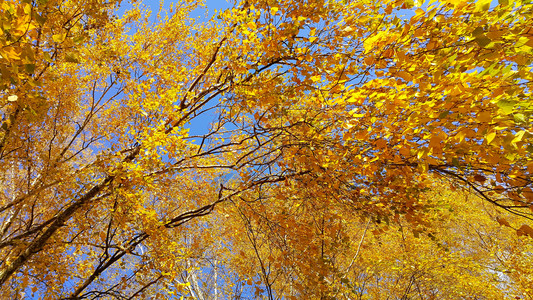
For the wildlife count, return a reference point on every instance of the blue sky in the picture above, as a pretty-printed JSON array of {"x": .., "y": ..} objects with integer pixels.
[{"x": 217, "y": 4}]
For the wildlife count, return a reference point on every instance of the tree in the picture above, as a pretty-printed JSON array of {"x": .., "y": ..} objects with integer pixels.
[{"x": 329, "y": 119}]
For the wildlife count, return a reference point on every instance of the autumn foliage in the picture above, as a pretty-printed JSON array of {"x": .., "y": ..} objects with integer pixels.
[{"x": 280, "y": 149}]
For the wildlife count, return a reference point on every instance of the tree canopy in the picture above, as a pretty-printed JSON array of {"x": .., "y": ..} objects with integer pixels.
[{"x": 283, "y": 149}]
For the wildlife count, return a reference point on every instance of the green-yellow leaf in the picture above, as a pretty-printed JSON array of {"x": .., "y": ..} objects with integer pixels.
[
  {"x": 483, "y": 4},
  {"x": 506, "y": 106},
  {"x": 59, "y": 38},
  {"x": 482, "y": 41}
]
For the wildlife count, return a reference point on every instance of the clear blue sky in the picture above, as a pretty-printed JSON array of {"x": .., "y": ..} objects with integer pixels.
[{"x": 217, "y": 4}]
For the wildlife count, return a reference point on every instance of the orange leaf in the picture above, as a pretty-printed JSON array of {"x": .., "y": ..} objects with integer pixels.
[
  {"x": 480, "y": 178},
  {"x": 525, "y": 230},
  {"x": 502, "y": 222}
]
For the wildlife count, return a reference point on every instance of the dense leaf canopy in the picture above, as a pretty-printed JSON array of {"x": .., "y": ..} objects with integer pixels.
[{"x": 316, "y": 149}]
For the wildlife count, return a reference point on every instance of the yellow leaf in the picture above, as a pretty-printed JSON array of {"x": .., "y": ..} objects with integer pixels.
[
  {"x": 59, "y": 38},
  {"x": 12, "y": 52},
  {"x": 483, "y": 4},
  {"x": 518, "y": 137},
  {"x": 419, "y": 12},
  {"x": 490, "y": 137},
  {"x": 251, "y": 25},
  {"x": 316, "y": 78}
]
